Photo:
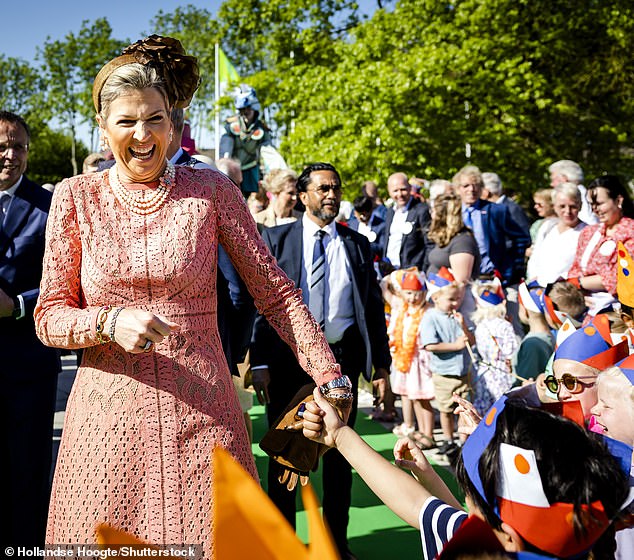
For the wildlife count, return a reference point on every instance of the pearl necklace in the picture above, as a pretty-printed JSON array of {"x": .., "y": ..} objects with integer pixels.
[{"x": 140, "y": 202}]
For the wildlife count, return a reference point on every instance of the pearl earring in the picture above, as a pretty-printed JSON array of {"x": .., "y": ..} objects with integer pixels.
[
  {"x": 103, "y": 143},
  {"x": 171, "y": 134}
]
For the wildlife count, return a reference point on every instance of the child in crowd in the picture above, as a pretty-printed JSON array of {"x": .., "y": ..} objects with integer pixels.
[
  {"x": 446, "y": 336},
  {"x": 578, "y": 360},
  {"x": 555, "y": 495},
  {"x": 496, "y": 342},
  {"x": 614, "y": 417},
  {"x": 410, "y": 376},
  {"x": 538, "y": 343},
  {"x": 563, "y": 300}
]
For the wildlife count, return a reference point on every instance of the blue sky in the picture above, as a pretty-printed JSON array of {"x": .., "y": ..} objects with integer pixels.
[{"x": 27, "y": 23}]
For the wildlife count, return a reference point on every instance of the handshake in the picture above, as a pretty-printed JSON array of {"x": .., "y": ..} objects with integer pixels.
[{"x": 296, "y": 440}]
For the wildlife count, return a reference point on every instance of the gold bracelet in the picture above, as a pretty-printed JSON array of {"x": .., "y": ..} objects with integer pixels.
[
  {"x": 102, "y": 338},
  {"x": 113, "y": 323}
]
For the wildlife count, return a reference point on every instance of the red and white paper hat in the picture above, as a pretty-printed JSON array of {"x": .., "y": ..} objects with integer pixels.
[{"x": 439, "y": 280}]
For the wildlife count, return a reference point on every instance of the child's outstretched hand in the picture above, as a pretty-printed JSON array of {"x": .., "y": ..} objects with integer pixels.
[
  {"x": 321, "y": 421},
  {"x": 408, "y": 455},
  {"x": 469, "y": 417}
]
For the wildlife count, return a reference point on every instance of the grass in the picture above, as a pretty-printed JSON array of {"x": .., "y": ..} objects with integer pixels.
[{"x": 374, "y": 532}]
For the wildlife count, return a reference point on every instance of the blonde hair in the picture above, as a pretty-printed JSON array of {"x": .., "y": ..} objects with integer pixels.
[
  {"x": 130, "y": 77},
  {"x": 447, "y": 220},
  {"x": 615, "y": 373},
  {"x": 468, "y": 171},
  {"x": 487, "y": 312},
  {"x": 277, "y": 179}
]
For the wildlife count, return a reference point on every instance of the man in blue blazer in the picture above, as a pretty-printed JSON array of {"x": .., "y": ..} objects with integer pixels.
[
  {"x": 353, "y": 322},
  {"x": 406, "y": 225},
  {"x": 502, "y": 242},
  {"x": 28, "y": 369}
]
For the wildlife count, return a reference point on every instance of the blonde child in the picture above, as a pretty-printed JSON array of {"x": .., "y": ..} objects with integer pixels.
[
  {"x": 496, "y": 342},
  {"x": 614, "y": 417},
  {"x": 410, "y": 376},
  {"x": 446, "y": 336}
]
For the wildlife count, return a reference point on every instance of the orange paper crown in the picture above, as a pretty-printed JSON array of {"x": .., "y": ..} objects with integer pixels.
[{"x": 411, "y": 281}]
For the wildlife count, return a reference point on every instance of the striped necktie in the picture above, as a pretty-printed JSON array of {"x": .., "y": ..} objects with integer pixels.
[{"x": 317, "y": 289}]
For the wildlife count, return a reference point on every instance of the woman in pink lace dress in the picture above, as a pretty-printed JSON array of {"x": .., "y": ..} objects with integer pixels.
[{"x": 130, "y": 276}]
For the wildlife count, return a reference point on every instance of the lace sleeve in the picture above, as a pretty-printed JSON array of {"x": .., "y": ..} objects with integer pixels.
[
  {"x": 61, "y": 319},
  {"x": 275, "y": 295}
]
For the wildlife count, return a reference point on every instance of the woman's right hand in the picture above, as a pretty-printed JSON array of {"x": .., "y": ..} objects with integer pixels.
[
  {"x": 321, "y": 420},
  {"x": 135, "y": 327}
]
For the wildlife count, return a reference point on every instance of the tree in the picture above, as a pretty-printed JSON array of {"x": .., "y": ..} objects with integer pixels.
[
  {"x": 69, "y": 67},
  {"x": 21, "y": 86},
  {"x": 197, "y": 30},
  {"x": 411, "y": 87},
  {"x": 48, "y": 154}
]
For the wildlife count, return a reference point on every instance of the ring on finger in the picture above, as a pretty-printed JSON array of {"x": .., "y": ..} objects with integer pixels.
[{"x": 147, "y": 346}]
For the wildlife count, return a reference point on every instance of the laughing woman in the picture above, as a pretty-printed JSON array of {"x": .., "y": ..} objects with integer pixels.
[
  {"x": 129, "y": 275},
  {"x": 595, "y": 262}
]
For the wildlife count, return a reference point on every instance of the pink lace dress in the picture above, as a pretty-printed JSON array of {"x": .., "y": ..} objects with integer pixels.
[{"x": 139, "y": 429}]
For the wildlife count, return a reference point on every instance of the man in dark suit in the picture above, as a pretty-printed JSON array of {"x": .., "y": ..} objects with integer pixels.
[
  {"x": 368, "y": 223},
  {"x": 502, "y": 242},
  {"x": 315, "y": 252},
  {"x": 28, "y": 369},
  {"x": 406, "y": 225},
  {"x": 494, "y": 191}
]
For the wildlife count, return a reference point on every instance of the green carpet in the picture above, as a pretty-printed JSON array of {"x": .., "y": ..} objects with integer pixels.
[{"x": 374, "y": 532}]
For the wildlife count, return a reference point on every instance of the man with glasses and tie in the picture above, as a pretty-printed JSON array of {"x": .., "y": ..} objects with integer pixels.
[
  {"x": 27, "y": 368},
  {"x": 333, "y": 266}
]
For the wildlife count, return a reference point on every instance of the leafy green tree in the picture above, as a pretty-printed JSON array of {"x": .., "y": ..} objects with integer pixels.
[
  {"x": 21, "y": 86},
  {"x": 198, "y": 31},
  {"x": 410, "y": 88},
  {"x": 48, "y": 153},
  {"x": 69, "y": 67}
]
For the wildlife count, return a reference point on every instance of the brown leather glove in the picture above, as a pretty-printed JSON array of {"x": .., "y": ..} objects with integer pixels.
[{"x": 286, "y": 444}]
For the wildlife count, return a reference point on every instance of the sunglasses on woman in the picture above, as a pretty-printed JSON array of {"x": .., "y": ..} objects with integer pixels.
[{"x": 570, "y": 382}]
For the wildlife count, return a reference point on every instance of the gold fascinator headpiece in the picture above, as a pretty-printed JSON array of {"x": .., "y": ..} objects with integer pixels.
[{"x": 167, "y": 55}]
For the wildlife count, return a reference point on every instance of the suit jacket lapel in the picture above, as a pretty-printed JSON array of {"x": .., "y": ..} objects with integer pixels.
[
  {"x": 351, "y": 251},
  {"x": 296, "y": 242},
  {"x": 18, "y": 212},
  {"x": 485, "y": 217}
]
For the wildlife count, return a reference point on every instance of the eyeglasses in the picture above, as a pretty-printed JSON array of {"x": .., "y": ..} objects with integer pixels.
[
  {"x": 325, "y": 189},
  {"x": 570, "y": 382},
  {"x": 17, "y": 148}
]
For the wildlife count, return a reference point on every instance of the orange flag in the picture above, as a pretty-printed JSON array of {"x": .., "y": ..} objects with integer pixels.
[
  {"x": 248, "y": 525},
  {"x": 110, "y": 539}
]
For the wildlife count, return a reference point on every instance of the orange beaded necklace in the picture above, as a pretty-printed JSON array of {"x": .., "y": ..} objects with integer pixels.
[{"x": 403, "y": 345}]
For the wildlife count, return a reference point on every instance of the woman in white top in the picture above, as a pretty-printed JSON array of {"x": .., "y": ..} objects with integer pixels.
[{"x": 556, "y": 241}]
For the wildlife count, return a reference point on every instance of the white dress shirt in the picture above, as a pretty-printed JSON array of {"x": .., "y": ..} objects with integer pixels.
[
  {"x": 395, "y": 237},
  {"x": 339, "y": 306}
]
